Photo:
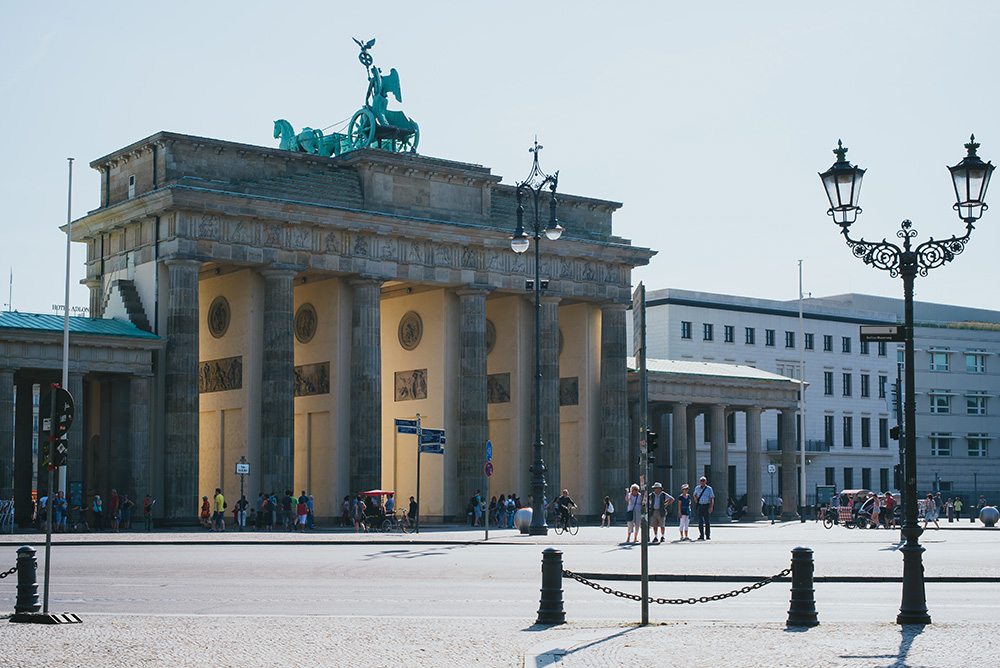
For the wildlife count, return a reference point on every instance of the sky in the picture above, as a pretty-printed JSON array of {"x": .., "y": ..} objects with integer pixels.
[{"x": 708, "y": 121}]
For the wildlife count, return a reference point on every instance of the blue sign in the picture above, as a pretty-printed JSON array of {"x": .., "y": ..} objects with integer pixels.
[
  {"x": 432, "y": 449},
  {"x": 406, "y": 426},
  {"x": 428, "y": 436},
  {"x": 489, "y": 451}
]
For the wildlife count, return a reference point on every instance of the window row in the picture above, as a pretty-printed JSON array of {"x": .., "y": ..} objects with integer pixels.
[
  {"x": 847, "y": 431},
  {"x": 866, "y": 478},
  {"x": 941, "y": 402},
  {"x": 946, "y": 445},
  {"x": 846, "y": 384},
  {"x": 770, "y": 338},
  {"x": 940, "y": 360}
]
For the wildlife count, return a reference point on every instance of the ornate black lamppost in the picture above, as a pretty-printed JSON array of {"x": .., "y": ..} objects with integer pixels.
[
  {"x": 534, "y": 188},
  {"x": 842, "y": 181}
]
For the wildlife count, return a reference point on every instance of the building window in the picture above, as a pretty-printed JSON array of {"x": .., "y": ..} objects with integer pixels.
[
  {"x": 976, "y": 403},
  {"x": 866, "y": 478},
  {"x": 789, "y": 339},
  {"x": 864, "y": 347},
  {"x": 848, "y": 477},
  {"x": 883, "y": 479},
  {"x": 978, "y": 445},
  {"x": 975, "y": 363},
  {"x": 881, "y": 348},
  {"x": 939, "y": 361},
  {"x": 827, "y": 343},
  {"x": 883, "y": 432},
  {"x": 707, "y": 331},
  {"x": 685, "y": 329},
  {"x": 810, "y": 341},
  {"x": 769, "y": 337},
  {"x": 828, "y": 430},
  {"x": 900, "y": 359},
  {"x": 848, "y": 431},
  {"x": 882, "y": 380},
  {"x": 828, "y": 383},
  {"x": 866, "y": 390},
  {"x": 941, "y": 445},
  {"x": 750, "y": 336},
  {"x": 831, "y": 475},
  {"x": 728, "y": 333},
  {"x": 846, "y": 378},
  {"x": 866, "y": 432},
  {"x": 845, "y": 344},
  {"x": 940, "y": 402}
]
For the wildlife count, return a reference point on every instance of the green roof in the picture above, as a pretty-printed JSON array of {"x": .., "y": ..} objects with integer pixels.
[{"x": 54, "y": 323}]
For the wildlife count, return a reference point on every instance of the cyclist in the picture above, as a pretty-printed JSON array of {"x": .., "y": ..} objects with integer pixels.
[{"x": 563, "y": 504}]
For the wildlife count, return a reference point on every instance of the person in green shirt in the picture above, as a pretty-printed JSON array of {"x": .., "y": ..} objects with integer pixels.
[{"x": 958, "y": 507}]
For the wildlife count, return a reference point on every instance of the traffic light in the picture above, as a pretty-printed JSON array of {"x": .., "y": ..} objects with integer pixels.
[
  {"x": 894, "y": 433},
  {"x": 652, "y": 440},
  {"x": 897, "y": 476}
]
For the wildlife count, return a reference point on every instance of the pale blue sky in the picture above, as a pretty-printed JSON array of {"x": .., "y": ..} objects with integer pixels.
[{"x": 708, "y": 120}]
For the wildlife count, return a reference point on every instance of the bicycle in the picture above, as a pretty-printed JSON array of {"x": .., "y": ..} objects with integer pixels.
[
  {"x": 571, "y": 525},
  {"x": 396, "y": 522}
]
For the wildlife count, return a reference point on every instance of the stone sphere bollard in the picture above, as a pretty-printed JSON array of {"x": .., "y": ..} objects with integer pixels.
[
  {"x": 989, "y": 515},
  {"x": 522, "y": 519}
]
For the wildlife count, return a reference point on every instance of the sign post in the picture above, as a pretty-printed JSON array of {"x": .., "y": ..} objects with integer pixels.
[
  {"x": 54, "y": 453},
  {"x": 242, "y": 470},
  {"x": 771, "y": 469},
  {"x": 488, "y": 472},
  {"x": 429, "y": 441}
]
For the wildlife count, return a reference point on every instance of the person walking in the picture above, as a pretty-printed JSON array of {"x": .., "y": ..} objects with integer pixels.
[
  {"x": 206, "y": 513},
  {"x": 477, "y": 509},
  {"x": 147, "y": 512},
  {"x": 128, "y": 505},
  {"x": 657, "y": 504},
  {"x": 241, "y": 513},
  {"x": 633, "y": 506},
  {"x": 411, "y": 512},
  {"x": 704, "y": 503},
  {"x": 115, "y": 510},
  {"x": 875, "y": 511},
  {"x": 609, "y": 511},
  {"x": 958, "y": 508},
  {"x": 97, "y": 508},
  {"x": 931, "y": 511},
  {"x": 889, "y": 511},
  {"x": 684, "y": 511},
  {"x": 311, "y": 507},
  {"x": 219, "y": 516},
  {"x": 302, "y": 513}
]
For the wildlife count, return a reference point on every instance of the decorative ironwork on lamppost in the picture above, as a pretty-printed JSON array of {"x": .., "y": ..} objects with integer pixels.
[
  {"x": 533, "y": 188},
  {"x": 842, "y": 182}
]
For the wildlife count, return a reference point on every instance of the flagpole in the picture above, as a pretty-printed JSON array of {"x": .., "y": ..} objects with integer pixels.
[
  {"x": 802, "y": 405},
  {"x": 65, "y": 361}
]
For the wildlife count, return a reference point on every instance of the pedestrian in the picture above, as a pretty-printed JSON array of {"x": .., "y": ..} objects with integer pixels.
[
  {"x": 287, "y": 510},
  {"x": 684, "y": 511},
  {"x": 477, "y": 509},
  {"x": 206, "y": 513},
  {"x": 128, "y": 505},
  {"x": 633, "y": 506},
  {"x": 609, "y": 511},
  {"x": 219, "y": 516},
  {"x": 345, "y": 511},
  {"x": 411, "y": 513},
  {"x": 958, "y": 507},
  {"x": 302, "y": 512},
  {"x": 512, "y": 506},
  {"x": 358, "y": 510},
  {"x": 949, "y": 507},
  {"x": 58, "y": 512},
  {"x": 704, "y": 503},
  {"x": 266, "y": 515},
  {"x": 889, "y": 511},
  {"x": 97, "y": 508},
  {"x": 502, "y": 512},
  {"x": 657, "y": 504},
  {"x": 252, "y": 518},
  {"x": 311, "y": 507},
  {"x": 115, "y": 510},
  {"x": 41, "y": 512},
  {"x": 147, "y": 512},
  {"x": 875, "y": 511},
  {"x": 241, "y": 512},
  {"x": 979, "y": 507},
  {"x": 931, "y": 511},
  {"x": 272, "y": 499}
]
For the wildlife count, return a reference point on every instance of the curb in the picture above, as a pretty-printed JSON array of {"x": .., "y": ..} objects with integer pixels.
[{"x": 661, "y": 577}]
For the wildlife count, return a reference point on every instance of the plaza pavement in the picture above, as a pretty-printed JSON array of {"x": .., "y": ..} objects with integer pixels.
[{"x": 446, "y": 598}]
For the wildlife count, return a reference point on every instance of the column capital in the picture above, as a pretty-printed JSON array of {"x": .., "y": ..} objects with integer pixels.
[
  {"x": 92, "y": 282},
  {"x": 364, "y": 279},
  {"x": 473, "y": 290},
  {"x": 550, "y": 299},
  {"x": 614, "y": 306},
  {"x": 180, "y": 261},
  {"x": 681, "y": 405},
  {"x": 278, "y": 271}
]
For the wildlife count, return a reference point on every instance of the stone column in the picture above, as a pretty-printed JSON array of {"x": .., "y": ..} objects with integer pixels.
[
  {"x": 614, "y": 459},
  {"x": 549, "y": 323},
  {"x": 96, "y": 287},
  {"x": 139, "y": 437},
  {"x": 789, "y": 470},
  {"x": 753, "y": 464},
  {"x": 181, "y": 391},
  {"x": 277, "y": 396},
  {"x": 720, "y": 460},
  {"x": 366, "y": 384},
  {"x": 24, "y": 424},
  {"x": 74, "y": 461},
  {"x": 692, "y": 446},
  {"x": 6, "y": 434},
  {"x": 473, "y": 429},
  {"x": 678, "y": 446}
]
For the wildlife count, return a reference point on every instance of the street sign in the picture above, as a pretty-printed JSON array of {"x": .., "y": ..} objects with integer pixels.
[
  {"x": 771, "y": 468},
  {"x": 61, "y": 407},
  {"x": 406, "y": 426},
  {"x": 432, "y": 449},
  {"x": 432, "y": 436},
  {"x": 489, "y": 451},
  {"x": 488, "y": 469},
  {"x": 62, "y": 453},
  {"x": 895, "y": 333},
  {"x": 242, "y": 468}
]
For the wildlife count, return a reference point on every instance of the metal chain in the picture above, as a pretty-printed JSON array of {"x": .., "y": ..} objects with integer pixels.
[
  {"x": 10, "y": 572},
  {"x": 677, "y": 601}
]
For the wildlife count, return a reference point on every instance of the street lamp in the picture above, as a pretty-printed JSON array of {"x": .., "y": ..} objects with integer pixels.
[
  {"x": 843, "y": 186},
  {"x": 533, "y": 188}
]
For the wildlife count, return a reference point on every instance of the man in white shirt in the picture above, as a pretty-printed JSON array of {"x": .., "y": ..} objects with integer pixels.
[
  {"x": 658, "y": 502},
  {"x": 704, "y": 503}
]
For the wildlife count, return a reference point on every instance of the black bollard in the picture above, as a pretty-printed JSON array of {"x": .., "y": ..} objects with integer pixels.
[
  {"x": 27, "y": 582},
  {"x": 550, "y": 605},
  {"x": 802, "y": 608}
]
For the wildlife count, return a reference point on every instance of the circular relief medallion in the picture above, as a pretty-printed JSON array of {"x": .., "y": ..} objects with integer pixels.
[
  {"x": 411, "y": 330},
  {"x": 218, "y": 317},
  {"x": 305, "y": 323},
  {"x": 491, "y": 336}
]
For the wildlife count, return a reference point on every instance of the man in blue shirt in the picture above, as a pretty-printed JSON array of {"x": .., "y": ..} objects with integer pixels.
[{"x": 704, "y": 503}]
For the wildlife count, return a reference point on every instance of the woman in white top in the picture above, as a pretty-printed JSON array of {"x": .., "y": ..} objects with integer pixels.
[
  {"x": 931, "y": 512},
  {"x": 609, "y": 511},
  {"x": 633, "y": 506}
]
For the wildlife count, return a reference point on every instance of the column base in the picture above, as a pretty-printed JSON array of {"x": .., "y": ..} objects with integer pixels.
[
  {"x": 789, "y": 516},
  {"x": 752, "y": 517},
  {"x": 538, "y": 531}
]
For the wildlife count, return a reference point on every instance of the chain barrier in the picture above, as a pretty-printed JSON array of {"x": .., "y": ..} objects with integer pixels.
[
  {"x": 676, "y": 601},
  {"x": 9, "y": 572}
]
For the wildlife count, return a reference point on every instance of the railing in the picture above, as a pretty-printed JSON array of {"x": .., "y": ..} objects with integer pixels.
[{"x": 812, "y": 445}]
